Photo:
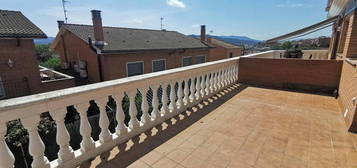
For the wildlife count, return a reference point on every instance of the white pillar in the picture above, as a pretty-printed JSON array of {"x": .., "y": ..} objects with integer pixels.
[
  {"x": 105, "y": 135},
  {"x": 202, "y": 91},
  {"x": 164, "y": 108},
  {"x": 133, "y": 112},
  {"x": 65, "y": 152},
  {"x": 155, "y": 114},
  {"x": 172, "y": 105},
  {"x": 198, "y": 89},
  {"x": 145, "y": 117},
  {"x": 192, "y": 90},
  {"x": 85, "y": 129},
  {"x": 36, "y": 146},
  {"x": 179, "y": 102},
  {"x": 7, "y": 159},
  {"x": 207, "y": 85},
  {"x": 120, "y": 129},
  {"x": 186, "y": 92}
]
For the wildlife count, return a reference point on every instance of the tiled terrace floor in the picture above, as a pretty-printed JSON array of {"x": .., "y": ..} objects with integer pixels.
[{"x": 252, "y": 127}]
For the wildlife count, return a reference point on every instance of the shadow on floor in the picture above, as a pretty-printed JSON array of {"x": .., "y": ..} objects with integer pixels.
[{"x": 163, "y": 132}]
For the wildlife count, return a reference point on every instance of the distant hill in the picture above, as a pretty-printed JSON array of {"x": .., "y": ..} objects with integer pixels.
[
  {"x": 237, "y": 40},
  {"x": 48, "y": 40}
]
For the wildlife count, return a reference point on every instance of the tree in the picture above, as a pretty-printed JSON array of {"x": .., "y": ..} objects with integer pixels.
[{"x": 287, "y": 45}]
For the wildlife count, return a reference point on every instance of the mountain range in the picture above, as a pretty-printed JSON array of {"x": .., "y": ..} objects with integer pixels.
[{"x": 237, "y": 40}]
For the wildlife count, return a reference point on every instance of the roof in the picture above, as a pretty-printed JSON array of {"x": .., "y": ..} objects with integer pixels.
[
  {"x": 307, "y": 30},
  {"x": 13, "y": 24},
  {"x": 129, "y": 39},
  {"x": 223, "y": 43},
  {"x": 340, "y": 7}
]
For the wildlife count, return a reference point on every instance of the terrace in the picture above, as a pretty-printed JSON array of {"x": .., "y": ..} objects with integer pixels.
[{"x": 210, "y": 120}]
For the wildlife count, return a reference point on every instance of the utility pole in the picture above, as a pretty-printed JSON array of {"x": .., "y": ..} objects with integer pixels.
[
  {"x": 65, "y": 10},
  {"x": 161, "y": 19}
]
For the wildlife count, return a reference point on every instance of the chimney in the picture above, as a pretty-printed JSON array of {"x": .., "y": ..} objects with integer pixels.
[
  {"x": 203, "y": 32},
  {"x": 60, "y": 23},
  {"x": 97, "y": 27}
]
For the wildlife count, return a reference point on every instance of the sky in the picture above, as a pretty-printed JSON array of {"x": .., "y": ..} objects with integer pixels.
[{"x": 257, "y": 19}]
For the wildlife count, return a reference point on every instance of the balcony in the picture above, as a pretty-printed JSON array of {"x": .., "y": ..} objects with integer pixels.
[{"x": 196, "y": 116}]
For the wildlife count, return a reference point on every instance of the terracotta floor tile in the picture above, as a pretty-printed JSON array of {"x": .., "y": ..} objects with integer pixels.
[
  {"x": 151, "y": 157},
  {"x": 178, "y": 155},
  {"x": 165, "y": 163}
]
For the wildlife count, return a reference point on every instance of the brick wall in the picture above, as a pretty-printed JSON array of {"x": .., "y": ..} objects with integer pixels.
[
  {"x": 220, "y": 52},
  {"x": 24, "y": 77},
  {"x": 348, "y": 90},
  {"x": 350, "y": 47},
  {"x": 114, "y": 65},
  {"x": 316, "y": 75}
]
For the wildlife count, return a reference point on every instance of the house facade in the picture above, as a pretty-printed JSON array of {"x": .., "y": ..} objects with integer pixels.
[
  {"x": 19, "y": 70},
  {"x": 105, "y": 53}
]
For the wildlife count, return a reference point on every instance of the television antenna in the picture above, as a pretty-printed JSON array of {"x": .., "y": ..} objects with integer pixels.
[
  {"x": 64, "y": 2},
  {"x": 161, "y": 19}
]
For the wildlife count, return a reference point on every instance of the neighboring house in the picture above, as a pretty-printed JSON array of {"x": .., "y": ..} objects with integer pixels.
[
  {"x": 106, "y": 53},
  {"x": 220, "y": 49},
  {"x": 19, "y": 70}
]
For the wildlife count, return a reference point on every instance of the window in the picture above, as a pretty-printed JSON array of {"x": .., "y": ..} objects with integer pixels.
[
  {"x": 231, "y": 55},
  {"x": 134, "y": 68},
  {"x": 200, "y": 59},
  {"x": 186, "y": 61},
  {"x": 158, "y": 65},
  {"x": 2, "y": 90}
]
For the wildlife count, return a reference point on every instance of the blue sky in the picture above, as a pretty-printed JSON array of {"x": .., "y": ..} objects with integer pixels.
[{"x": 258, "y": 19}]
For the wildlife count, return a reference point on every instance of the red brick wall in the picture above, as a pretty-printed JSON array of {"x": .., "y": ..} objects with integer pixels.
[
  {"x": 114, "y": 65},
  {"x": 77, "y": 49},
  {"x": 348, "y": 90},
  {"x": 350, "y": 47},
  {"x": 220, "y": 52},
  {"x": 301, "y": 74},
  {"x": 25, "y": 66}
]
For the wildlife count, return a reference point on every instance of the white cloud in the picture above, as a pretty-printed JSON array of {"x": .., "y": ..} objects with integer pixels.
[{"x": 176, "y": 3}]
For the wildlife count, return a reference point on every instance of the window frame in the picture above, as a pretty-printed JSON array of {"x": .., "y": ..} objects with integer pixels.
[
  {"x": 127, "y": 68},
  {"x": 201, "y": 56},
  {"x": 152, "y": 64},
  {"x": 184, "y": 58}
]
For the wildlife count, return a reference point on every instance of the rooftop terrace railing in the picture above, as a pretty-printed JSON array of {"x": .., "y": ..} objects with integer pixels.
[{"x": 195, "y": 83}]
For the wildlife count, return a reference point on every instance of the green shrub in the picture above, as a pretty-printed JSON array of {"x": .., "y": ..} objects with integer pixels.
[{"x": 52, "y": 63}]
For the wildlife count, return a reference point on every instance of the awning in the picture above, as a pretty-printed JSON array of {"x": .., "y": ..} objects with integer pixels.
[{"x": 306, "y": 30}]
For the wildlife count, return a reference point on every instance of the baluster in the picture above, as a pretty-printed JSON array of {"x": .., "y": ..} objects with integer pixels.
[
  {"x": 192, "y": 90},
  {"x": 179, "y": 102},
  {"x": 218, "y": 80},
  {"x": 198, "y": 88},
  {"x": 104, "y": 135},
  {"x": 120, "y": 129},
  {"x": 186, "y": 92},
  {"x": 155, "y": 114},
  {"x": 145, "y": 118},
  {"x": 207, "y": 86},
  {"x": 172, "y": 105},
  {"x": 222, "y": 79},
  {"x": 36, "y": 146},
  {"x": 7, "y": 159},
  {"x": 215, "y": 82},
  {"x": 65, "y": 152},
  {"x": 211, "y": 88},
  {"x": 133, "y": 123},
  {"x": 85, "y": 129},
  {"x": 236, "y": 72},
  {"x": 229, "y": 75},
  {"x": 164, "y": 100},
  {"x": 202, "y": 91}
]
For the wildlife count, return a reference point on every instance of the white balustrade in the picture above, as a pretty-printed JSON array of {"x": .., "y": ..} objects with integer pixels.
[
  {"x": 164, "y": 108},
  {"x": 179, "y": 102},
  {"x": 65, "y": 152},
  {"x": 7, "y": 159},
  {"x": 36, "y": 146},
  {"x": 133, "y": 112},
  {"x": 145, "y": 118},
  {"x": 121, "y": 130},
  {"x": 186, "y": 92},
  {"x": 155, "y": 114},
  {"x": 85, "y": 128},
  {"x": 105, "y": 135},
  {"x": 200, "y": 81},
  {"x": 192, "y": 90},
  {"x": 172, "y": 105}
]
